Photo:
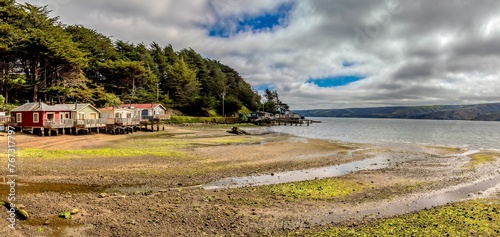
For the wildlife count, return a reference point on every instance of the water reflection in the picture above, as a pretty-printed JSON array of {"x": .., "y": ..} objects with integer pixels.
[{"x": 378, "y": 162}]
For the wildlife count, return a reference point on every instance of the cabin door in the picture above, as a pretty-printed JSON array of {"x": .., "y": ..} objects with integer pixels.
[
  {"x": 50, "y": 116},
  {"x": 61, "y": 117}
]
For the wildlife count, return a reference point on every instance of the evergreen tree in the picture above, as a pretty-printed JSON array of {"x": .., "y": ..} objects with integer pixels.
[{"x": 40, "y": 58}]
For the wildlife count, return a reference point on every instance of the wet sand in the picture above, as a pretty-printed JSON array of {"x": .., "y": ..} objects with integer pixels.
[{"x": 188, "y": 194}]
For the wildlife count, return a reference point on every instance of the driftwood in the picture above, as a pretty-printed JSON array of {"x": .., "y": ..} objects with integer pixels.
[{"x": 238, "y": 131}]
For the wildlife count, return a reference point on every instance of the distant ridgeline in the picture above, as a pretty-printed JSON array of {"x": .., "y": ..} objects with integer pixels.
[{"x": 483, "y": 112}]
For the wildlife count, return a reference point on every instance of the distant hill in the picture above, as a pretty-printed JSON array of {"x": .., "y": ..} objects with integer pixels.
[{"x": 483, "y": 112}]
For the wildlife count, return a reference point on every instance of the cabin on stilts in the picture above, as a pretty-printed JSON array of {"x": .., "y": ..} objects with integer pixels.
[
  {"x": 43, "y": 119},
  {"x": 120, "y": 120},
  {"x": 150, "y": 115}
]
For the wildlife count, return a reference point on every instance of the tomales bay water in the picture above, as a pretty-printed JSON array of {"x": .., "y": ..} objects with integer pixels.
[{"x": 467, "y": 134}]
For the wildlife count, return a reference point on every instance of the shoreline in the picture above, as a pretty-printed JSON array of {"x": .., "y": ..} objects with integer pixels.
[{"x": 164, "y": 165}]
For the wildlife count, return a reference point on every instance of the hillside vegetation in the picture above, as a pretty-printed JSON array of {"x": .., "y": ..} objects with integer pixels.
[
  {"x": 484, "y": 112},
  {"x": 41, "y": 58}
]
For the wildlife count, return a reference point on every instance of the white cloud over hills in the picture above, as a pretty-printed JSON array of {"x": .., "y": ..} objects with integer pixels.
[{"x": 369, "y": 53}]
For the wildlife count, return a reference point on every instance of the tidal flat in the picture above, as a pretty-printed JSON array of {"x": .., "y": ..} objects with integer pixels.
[{"x": 152, "y": 184}]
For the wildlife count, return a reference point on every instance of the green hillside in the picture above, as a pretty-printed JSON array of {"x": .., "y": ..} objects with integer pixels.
[
  {"x": 42, "y": 59},
  {"x": 484, "y": 112}
]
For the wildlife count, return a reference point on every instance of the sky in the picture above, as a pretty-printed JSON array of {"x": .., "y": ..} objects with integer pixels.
[{"x": 323, "y": 54}]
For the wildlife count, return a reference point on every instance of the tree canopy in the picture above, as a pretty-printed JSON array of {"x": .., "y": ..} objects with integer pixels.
[{"x": 43, "y": 59}]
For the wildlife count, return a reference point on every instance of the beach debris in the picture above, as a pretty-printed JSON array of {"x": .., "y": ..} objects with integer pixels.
[
  {"x": 17, "y": 209},
  {"x": 22, "y": 214},
  {"x": 103, "y": 195},
  {"x": 65, "y": 215},
  {"x": 74, "y": 211},
  {"x": 238, "y": 131}
]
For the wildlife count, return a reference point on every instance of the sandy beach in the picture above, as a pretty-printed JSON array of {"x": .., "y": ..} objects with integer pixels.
[{"x": 152, "y": 184}]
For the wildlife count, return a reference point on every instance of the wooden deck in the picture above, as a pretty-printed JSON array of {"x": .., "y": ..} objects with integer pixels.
[{"x": 122, "y": 125}]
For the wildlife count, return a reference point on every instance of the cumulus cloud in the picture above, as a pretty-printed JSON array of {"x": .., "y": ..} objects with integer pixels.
[{"x": 407, "y": 52}]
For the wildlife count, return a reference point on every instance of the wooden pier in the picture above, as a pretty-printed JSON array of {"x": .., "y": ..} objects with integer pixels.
[
  {"x": 269, "y": 121},
  {"x": 292, "y": 121}
]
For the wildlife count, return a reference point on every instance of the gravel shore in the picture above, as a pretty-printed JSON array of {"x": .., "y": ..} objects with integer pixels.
[{"x": 149, "y": 184}]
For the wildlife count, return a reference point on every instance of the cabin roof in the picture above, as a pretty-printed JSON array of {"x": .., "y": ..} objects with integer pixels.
[
  {"x": 40, "y": 106},
  {"x": 141, "y": 106},
  {"x": 115, "y": 109}
]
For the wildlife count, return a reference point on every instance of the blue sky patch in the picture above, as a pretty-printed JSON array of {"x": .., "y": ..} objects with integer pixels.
[
  {"x": 227, "y": 27},
  {"x": 336, "y": 81},
  {"x": 263, "y": 87}
]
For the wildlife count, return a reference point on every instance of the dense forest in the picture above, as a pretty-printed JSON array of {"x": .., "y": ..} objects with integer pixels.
[{"x": 42, "y": 59}]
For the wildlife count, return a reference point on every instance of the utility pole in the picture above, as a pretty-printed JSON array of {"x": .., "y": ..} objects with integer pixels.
[{"x": 223, "y": 98}]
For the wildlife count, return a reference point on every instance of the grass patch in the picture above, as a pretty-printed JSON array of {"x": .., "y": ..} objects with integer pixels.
[
  {"x": 151, "y": 145},
  {"x": 481, "y": 158},
  {"x": 470, "y": 218},
  {"x": 446, "y": 149},
  {"x": 191, "y": 119},
  {"x": 322, "y": 189},
  {"x": 97, "y": 153}
]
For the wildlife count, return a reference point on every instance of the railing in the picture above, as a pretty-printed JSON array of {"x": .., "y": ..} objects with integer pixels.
[
  {"x": 57, "y": 123},
  {"x": 5, "y": 119},
  {"x": 156, "y": 117},
  {"x": 90, "y": 122},
  {"x": 126, "y": 121}
]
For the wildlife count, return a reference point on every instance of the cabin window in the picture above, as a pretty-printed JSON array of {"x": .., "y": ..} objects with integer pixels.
[
  {"x": 19, "y": 117},
  {"x": 36, "y": 118},
  {"x": 93, "y": 116},
  {"x": 117, "y": 115},
  {"x": 81, "y": 116},
  {"x": 50, "y": 116},
  {"x": 67, "y": 115},
  {"x": 62, "y": 116},
  {"x": 129, "y": 115}
]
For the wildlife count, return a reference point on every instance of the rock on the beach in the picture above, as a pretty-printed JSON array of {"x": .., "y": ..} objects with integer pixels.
[
  {"x": 237, "y": 131},
  {"x": 74, "y": 211},
  {"x": 22, "y": 214},
  {"x": 65, "y": 215}
]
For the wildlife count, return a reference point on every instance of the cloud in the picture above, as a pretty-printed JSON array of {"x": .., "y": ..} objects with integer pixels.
[{"x": 408, "y": 52}]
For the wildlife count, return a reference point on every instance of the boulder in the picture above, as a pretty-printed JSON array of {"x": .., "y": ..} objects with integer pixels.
[{"x": 238, "y": 131}]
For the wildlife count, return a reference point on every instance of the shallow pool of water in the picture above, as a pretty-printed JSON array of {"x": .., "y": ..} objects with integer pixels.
[{"x": 378, "y": 162}]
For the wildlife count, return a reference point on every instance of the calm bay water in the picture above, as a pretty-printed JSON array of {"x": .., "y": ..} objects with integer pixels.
[{"x": 468, "y": 134}]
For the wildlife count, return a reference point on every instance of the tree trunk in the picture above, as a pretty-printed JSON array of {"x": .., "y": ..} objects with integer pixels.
[
  {"x": 36, "y": 69},
  {"x": 45, "y": 84},
  {"x": 6, "y": 94}
]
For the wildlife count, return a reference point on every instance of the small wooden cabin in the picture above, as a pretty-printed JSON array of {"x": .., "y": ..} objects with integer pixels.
[
  {"x": 148, "y": 112},
  {"x": 39, "y": 114},
  {"x": 118, "y": 116},
  {"x": 43, "y": 117}
]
